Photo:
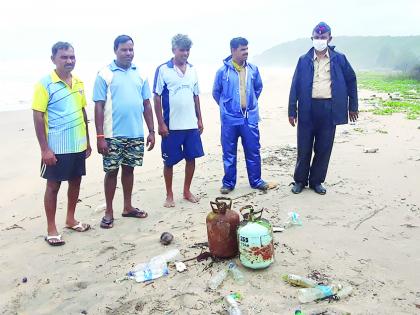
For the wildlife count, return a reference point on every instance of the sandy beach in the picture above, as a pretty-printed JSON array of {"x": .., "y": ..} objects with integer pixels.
[{"x": 364, "y": 232}]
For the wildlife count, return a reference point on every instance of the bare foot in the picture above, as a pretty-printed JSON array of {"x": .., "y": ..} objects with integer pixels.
[
  {"x": 191, "y": 198},
  {"x": 52, "y": 231},
  {"x": 169, "y": 203},
  {"x": 272, "y": 185},
  {"x": 71, "y": 222}
]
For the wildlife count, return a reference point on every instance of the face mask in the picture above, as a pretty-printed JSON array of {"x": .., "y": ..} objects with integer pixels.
[{"x": 320, "y": 44}]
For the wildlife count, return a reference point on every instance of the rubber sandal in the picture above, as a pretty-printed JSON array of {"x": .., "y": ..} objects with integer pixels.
[
  {"x": 54, "y": 240},
  {"x": 107, "y": 223}
]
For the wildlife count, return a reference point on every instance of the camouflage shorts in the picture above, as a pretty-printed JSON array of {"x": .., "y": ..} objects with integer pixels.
[{"x": 123, "y": 151}]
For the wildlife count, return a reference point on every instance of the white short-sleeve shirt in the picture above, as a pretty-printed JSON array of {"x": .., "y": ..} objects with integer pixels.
[{"x": 177, "y": 91}]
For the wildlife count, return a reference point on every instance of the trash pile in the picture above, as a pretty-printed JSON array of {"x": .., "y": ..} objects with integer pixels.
[
  {"x": 311, "y": 291},
  {"x": 252, "y": 240}
]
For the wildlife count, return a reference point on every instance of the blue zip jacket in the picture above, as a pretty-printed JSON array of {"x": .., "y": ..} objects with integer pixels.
[
  {"x": 343, "y": 87},
  {"x": 226, "y": 94}
]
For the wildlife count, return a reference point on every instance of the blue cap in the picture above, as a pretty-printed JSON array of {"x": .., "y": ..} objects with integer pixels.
[{"x": 322, "y": 28}]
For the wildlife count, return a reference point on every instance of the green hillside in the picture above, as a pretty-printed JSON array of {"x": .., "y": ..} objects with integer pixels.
[{"x": 363, "y": 52}]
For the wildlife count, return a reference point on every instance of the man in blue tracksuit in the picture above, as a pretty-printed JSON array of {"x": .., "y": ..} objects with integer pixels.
[
  {"x": 236, "y": 89},
  {"x": 323, "y": 95}
]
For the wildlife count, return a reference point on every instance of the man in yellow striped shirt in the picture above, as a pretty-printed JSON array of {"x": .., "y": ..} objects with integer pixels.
[{"x": 61, "y": 128}]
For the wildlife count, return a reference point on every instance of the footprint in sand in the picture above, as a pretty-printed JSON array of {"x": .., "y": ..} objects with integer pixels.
[{"x": 76, "y": 286}]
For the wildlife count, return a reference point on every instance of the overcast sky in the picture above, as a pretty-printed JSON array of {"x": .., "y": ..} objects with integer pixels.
[{"x": 29, "y": 28}]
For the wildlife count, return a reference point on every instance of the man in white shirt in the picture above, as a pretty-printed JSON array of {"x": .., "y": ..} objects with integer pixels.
[{"x": 177, "y": 108}]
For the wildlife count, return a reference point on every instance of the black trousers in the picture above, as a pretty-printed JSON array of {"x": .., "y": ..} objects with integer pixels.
[{"x": 315, "y": 135}]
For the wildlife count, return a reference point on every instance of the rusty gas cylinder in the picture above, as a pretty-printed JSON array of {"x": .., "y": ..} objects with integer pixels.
[{"x": 222, "y": 223}]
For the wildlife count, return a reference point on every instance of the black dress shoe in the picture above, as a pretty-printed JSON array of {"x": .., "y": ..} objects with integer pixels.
[
  {"x": 263, "y": 187},
  {"x": 319, "y": 189},
  {"x": 297, "y": 187}
]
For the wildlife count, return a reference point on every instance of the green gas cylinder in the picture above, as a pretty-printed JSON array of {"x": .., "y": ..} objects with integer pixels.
[{"x": 255, "y": 239}]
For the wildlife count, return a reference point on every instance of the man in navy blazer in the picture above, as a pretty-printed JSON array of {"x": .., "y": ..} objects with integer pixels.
[{"x": 323, "y": 95}]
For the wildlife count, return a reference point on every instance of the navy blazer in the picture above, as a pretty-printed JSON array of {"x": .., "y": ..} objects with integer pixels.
[{"x": 343, "y": 87}]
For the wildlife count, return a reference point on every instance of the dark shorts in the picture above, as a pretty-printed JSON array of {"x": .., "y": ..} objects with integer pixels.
[
  {"x": 181, "y": 144},
  {"x": 123, "y": 151},
  {"x": 68, "y": 166}
]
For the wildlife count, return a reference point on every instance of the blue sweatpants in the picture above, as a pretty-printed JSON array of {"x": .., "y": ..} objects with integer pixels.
[{"x": 250, "y": 136}]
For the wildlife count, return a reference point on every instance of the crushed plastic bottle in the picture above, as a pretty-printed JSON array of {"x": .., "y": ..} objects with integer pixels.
[
  {"x": 217, "y": 279},
  {"x": 299, "y": 281},
  {"x": 155, "y": 268},
  {"x": 168, "y": 256},
  {"x": 344, "y": 292},
  {"x": 237, "y": 274},
  {"x": 232, "y": 305},
  {"x": 319, "y": 292},
  {"x": 293, "y": 219}
]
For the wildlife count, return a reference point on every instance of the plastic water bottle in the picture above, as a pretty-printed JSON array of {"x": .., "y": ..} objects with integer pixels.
[
  {"x": 155, "y": 268},
  {"x": 217, "y": 279},
  {"x": 299, "y": 281},
  {"x": 232, "y": 305},
  {"x": 237, "y": 275},
  {"x": 321, "y": 291},
  {"x": 344, "y": 292},
  {"x": 168, "y": 256}
]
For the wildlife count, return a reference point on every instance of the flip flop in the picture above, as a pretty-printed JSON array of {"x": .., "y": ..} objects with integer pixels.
[
  {"x": 79, "y": 227},
  {"x": 107, "y": 223},
  {"x": 135, "y": 213},
  {"x": 54, "y": 240}
]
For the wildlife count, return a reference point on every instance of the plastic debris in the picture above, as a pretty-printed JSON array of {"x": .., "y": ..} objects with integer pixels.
[
  {"x": 180, "y": 266},
  {"x": 100, "y": 208},
  {"x": 293, "y": 219},
  {"x": 236, "y": 273},
  {"x": 217, "y": 279},
  {"x": 319, "y": 292},
  {"x": 370, "y": 150},
  {"x": 232, "y": 304},
  {"x": 299, "y": 281},
  {"x": 278, "y": 229}
]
